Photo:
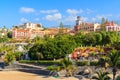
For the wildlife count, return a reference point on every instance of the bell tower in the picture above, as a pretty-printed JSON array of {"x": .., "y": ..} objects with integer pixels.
[{"x": 78, "y": 21}]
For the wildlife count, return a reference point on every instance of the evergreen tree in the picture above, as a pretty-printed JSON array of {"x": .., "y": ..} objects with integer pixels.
[
  {"x": 103, "y": 24},
  {"x": 61, "y": 28}
]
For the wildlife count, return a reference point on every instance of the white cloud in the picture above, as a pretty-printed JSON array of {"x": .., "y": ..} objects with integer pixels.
[
  {"x": 70, "y": 19},
  {"x": 54, "y": 17},
  {"x": 109, "y": 15},
  {"x": 93, "y": 19},
  {"x": 74, "y": 18},
  {"x": 26, "y": 10},
  {"x": 117, "y": 15},
  {"x": 49, "y": 11},
  {"x": 74, "y": 11},
  {"x": 89, "y": 11},
  {"x": 84, "y": 19},
  {"x": 23, "y": 19},
  {"x": 99, "y": 17},
  {"x": 37, "y": 19}
]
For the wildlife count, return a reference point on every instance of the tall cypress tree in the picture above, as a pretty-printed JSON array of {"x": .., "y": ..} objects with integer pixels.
[
  {"x": 61, "y": 28},
  {"x": 103, "y": 25}
]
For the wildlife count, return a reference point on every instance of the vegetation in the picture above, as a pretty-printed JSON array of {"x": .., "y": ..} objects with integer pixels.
[
  {"x": 101, "y": 76},
  {"x": 103, "y": 24},
  {"x": 9, "y": 57},
  {"x": 103, "y": 62},
  {"x": 68, "y": 66},
  {"x": 3, "y": 39},
  {"x": 94, "y": 63},
  {"x": 45, "y": 51},
  {"x": 55, "y": 48},
  {"x": 9, "y": 53},
  {"x": 41, "y": 62},
  {"x": 12, "y": 56},
  {"x": 61, "y": 27},
  {"x": 9, "y": 34},
  {"x": 52, "y": 68},
  {"x": 83, "y": 63},
  {"x": 114, "y": 58},
  {"x": 17, "y": 55},
  {"x": 64, "y": 64},
  {"x": 63, "y": 44}
]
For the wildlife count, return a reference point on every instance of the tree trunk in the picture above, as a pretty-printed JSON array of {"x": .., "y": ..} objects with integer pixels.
[
  {"x": 114, "y": 73},
  {"x": 113, "y": 77},
  {"x": 68, "y": 73}
]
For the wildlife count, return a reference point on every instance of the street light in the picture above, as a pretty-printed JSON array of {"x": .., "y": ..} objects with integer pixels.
[{"x": 78, "y": 54}]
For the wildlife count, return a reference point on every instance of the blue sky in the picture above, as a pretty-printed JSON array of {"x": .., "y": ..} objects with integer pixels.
[{"x": 52, "y": 12}]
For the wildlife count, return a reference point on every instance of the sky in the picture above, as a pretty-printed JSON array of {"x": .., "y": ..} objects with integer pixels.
[{"x": 51, "y": 12}]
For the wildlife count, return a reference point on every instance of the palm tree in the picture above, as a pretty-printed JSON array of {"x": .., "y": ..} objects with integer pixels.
[
  {"x": 68, "y": 66},
  {"x": 114, "y": 58},
  {"x": 103, "y": 62},
  {"x": 101, "y": 75}
]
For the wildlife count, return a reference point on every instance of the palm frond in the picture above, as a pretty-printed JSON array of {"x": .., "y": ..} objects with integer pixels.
[
  {"x": 95, "y": 77},
  {"x": 114, "y": 58},
  {"x": 101, "y": 75}
]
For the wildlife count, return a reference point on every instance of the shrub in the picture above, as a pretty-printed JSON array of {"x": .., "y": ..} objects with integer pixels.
[
  {"x": 94, "y": 63},
  {"x": 45, "y": 62},
  {"x": 9, "y": 57},
  {"x": 28, "y": 61},
  {"x": 83, "y": 63},
  {"x": 49, "y": 62},
  {"x": 51, "y": 68},
  {"x": 118, "y": 64}
]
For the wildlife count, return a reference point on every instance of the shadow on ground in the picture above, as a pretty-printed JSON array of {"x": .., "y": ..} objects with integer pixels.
[{"x": 29, "y": 69}]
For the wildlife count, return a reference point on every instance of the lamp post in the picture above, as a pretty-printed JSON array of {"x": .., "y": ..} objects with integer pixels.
[{"x": 78, "y": 54}]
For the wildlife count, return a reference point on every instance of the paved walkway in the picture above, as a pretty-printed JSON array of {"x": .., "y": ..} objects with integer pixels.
[{"x": 18, "y": 75}]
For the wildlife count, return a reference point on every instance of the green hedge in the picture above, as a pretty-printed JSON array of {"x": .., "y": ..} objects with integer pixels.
[
  {"x": 40, "y": 62},
  {"x": 85, "y": 63},
  {"x": 49, "y": 63},
  {"x": 82, "y": 63},
  {"x": 50, "y": 68},
  {"x": 28, "y": 61}
]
